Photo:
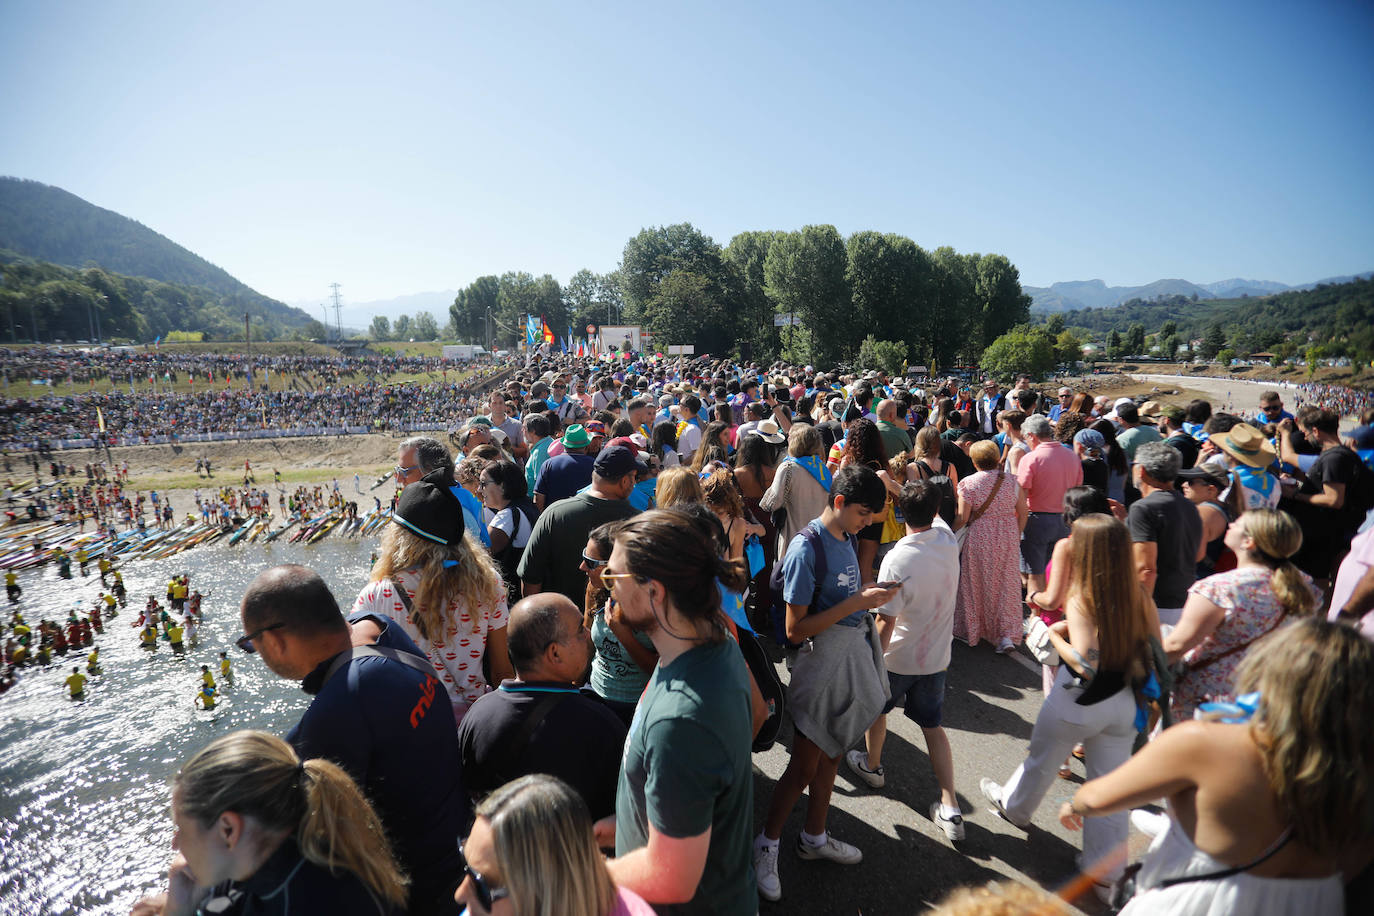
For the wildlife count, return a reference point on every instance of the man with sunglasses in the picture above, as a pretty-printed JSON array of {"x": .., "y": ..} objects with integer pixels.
[
  {"x": 569, "y": 410},
  {"x": 1271, "y": 410},
  {"x": 378, "y": 711}
]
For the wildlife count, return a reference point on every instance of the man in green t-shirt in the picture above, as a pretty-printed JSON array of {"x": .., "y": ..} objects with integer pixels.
[{"x": 684, "y": 805}]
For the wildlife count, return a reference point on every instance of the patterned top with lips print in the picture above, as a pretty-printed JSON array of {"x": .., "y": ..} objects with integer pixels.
[{"x": 457, "y": 654}]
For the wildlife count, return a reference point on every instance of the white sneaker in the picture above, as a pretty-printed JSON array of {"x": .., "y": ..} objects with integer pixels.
[
  {"x": 1005, "y": 645},
  {"x": 992, "y": 791},
  {"x": 766, "y": 872},
  {"x": 952, "y": 826},
  {"x": 834, "y": 850},
  {"x": 858, "y": 763}
]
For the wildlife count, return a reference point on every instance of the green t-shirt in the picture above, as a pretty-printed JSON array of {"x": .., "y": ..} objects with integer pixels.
[
  {"x": 687, "y": 768},
  {"x": 895, "y": 439},
  {"x": 553, "y": 556},
  {"x": 1134, "y": 438}
]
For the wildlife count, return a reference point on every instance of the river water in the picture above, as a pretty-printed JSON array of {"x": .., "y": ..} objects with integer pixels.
[{"x": 84, "y": 785}]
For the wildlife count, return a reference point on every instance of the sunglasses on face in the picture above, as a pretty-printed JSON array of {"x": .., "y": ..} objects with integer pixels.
[
  {"x": 592, "y": 562},
  {"x": 611, "y": 578},
  {"x": 246, "y": 642},
  {"x": 401, "y": 472},
  {"x": 486, "y": 894}
]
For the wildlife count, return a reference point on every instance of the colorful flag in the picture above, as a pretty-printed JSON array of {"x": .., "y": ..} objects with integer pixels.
[
  {"x": 548, "y": 331},
  {"x": 100, "y": 419},
  {"x": 531, "y": 331}
]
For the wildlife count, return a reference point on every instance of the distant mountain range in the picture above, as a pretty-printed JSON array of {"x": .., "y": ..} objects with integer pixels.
[
  {"x": 47, "y": 224},
  {"x": 359, "y": 314},
  {"x": 1082, "y": 294}
]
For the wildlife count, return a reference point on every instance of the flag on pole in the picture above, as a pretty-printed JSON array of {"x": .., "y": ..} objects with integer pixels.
[
  {"x": 531, "y": 331},
  {"x": 563, "y": 344},
  {"x": 548, "y": 331},
  {"x": 99, "y": 419}
]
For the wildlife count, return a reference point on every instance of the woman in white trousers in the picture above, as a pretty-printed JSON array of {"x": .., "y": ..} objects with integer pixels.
[{"x": 1104, "y": 645}]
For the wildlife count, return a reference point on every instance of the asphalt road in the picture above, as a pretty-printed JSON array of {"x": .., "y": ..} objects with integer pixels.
[{"x": 990, "y": 707}]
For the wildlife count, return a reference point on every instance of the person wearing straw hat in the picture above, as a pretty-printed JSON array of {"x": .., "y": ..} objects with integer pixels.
[{"x": 1248, "y": 455}]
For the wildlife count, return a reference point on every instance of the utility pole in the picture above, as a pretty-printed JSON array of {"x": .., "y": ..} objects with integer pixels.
[
  {"x": 325, "y": 312},
  {"x": 338, "y": 321},
  {"x": 247, "y": 334}
]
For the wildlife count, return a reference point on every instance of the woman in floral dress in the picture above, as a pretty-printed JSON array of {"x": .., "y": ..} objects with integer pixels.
[
  {"x": 1227, "y": 612},
  {"x": 995, "y": 510}
]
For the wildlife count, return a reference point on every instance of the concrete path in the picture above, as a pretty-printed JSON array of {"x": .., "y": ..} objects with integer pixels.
[{"x": 908, "y": 864}]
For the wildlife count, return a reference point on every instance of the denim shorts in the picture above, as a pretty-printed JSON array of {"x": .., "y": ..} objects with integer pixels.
[
  {"x": 1043, "y": 530},
  {"x": 922, "y": 695}
]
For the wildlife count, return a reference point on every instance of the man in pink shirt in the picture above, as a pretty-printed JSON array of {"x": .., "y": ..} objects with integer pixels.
[{"x": 1045, "y": 473}]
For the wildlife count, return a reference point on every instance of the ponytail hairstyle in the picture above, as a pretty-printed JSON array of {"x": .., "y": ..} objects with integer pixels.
[
  {"x": 259, "y": 776},
  {"x": 1316, "y": 685},
  {"x": 547, "y": 852},
  {"x": 1235, "y": 497},
  {"x": 1277, "y": 537},
  {"x": 682, "y": 550}
]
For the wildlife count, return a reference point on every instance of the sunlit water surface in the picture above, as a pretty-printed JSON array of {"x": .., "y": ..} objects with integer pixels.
[{"x": 84, "y": 785}]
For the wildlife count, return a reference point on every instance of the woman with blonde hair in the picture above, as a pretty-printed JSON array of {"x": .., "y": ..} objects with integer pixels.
[
  {"x": 1104, "y": 642},
  {"x": 1264, "y": 817},
  {"x": 994, "y": 509},
  {"x": 444, "y": 589},
  {"x": 531, "y": 852},
  {"x": 677, "y": 486},
  {"x": 261, "y": 831},
  {"x": 1227, "y": 612}
]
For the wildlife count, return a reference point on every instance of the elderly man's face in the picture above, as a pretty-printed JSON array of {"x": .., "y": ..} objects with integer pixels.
[
  {"x": 476, "y": 436},
  {"x": 408, "y": 468}
]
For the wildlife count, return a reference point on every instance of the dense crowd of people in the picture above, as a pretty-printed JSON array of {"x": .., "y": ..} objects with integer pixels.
[
  {"x": 578, "y": 625},
  {"x": 228, "y": 395}
]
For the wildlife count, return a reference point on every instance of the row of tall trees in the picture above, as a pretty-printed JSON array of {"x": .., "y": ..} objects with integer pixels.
[
  {"x": 832, "y": 292},
  {"x": 422, "y": 327}
]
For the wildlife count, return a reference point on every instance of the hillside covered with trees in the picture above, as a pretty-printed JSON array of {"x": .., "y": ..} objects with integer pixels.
[
  {"x": 43, "y": 224},
  {"x": 1337, "y": 318},
  {"x": 870, "y": 296},
  {"x": 47, "y": 302}
]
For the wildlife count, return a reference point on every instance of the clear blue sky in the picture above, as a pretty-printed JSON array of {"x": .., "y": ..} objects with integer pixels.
[{"x": 402, "y": 147}]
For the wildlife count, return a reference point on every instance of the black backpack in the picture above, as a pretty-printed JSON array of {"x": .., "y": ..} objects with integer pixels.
[
  {"x": 766, "y": 676},
  {"x": 949, "y": 503}
]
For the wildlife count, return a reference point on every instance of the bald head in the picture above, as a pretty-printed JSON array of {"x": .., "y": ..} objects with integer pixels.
[
  {"x": 536, "y": 623},
  {"x": 887, "y": 410},
  {"x": 292, "y": 595}
]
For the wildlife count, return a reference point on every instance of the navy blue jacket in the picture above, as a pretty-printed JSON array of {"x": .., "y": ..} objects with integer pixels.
[{"x": 391, "y": 727}]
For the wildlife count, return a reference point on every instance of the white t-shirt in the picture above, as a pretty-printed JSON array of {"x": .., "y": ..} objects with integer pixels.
[
  {"x": 924, "y": 606},
  {"x": 689, "y": 440},
  {"x": 515, "y": 526}
]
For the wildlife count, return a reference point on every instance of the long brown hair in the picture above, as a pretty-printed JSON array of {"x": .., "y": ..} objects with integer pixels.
[
  {"x": 1102, "y": 581},
  {"x": 682, "y": 552},
  {"x": 258, "y": 775}
]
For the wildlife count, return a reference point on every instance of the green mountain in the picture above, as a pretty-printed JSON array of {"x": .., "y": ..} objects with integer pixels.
[
  {"x": 1337, "y": 317},
  {"x": 41, "y": 223}
]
